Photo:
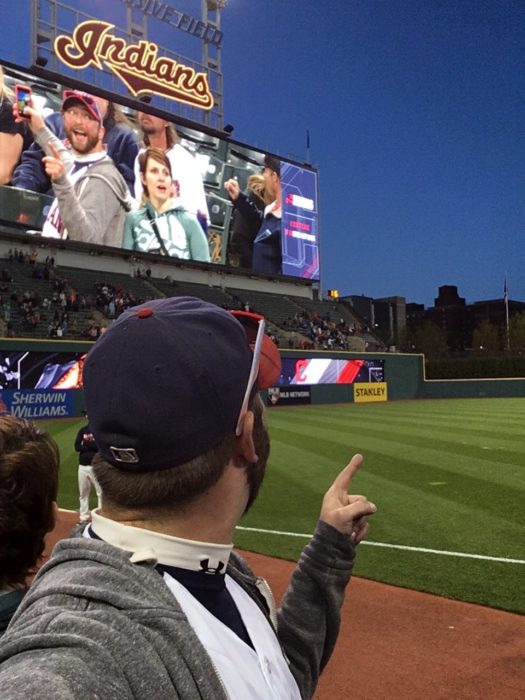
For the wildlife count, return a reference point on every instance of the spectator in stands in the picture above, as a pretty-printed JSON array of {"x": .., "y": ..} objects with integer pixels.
[
  {"x": 92, "y": 331},
  {"x": 13, "y": 135},
  {"x": 119, "y": 139},
  {"x": 91, "y": 195},
  {"x": 162, "y": 225},
  {"x": 158, "y": 133},
  {"x": 246, "y": 222},
  {"x": 29, "y": 462},
  {"x": 267, "y": 252}
]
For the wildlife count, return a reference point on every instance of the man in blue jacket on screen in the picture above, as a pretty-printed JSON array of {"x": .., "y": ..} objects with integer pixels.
[{"x": 150, "y": 601}]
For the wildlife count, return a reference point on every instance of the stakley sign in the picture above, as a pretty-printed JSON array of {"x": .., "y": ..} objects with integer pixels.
[
  {"x": 373, "y": 391},
  {"x": 139, "y": 66}
]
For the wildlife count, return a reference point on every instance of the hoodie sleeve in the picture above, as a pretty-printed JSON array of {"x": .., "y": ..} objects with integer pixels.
[
  {"x": 310, "y": 613},
  {"x": 248, "y": 208},
  {"x": 88, "y": 207},
  {"x": 45, "y": 138},
  {"x": 199, "y": 247},
  {"x": 129, "y": 239}
]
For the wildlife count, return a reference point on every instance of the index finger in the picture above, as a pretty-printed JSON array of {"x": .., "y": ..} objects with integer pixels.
[
  {"x": 54, "y": 150},
  {"x": 344, "y": 478}
]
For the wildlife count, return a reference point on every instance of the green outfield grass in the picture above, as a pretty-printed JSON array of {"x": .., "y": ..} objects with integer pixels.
[{"x": 446, "y": 475}]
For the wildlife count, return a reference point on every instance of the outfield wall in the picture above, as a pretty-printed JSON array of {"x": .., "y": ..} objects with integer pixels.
[
  {"x": 403, "y": 373},
  {"x": 405, "y": 378}
]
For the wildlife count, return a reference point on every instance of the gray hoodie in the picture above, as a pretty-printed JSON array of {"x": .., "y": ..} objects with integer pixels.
[{"x": 94, "y": 625}]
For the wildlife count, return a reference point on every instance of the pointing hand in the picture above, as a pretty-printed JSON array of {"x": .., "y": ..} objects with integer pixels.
[
  {"x": 346, "y": 512},
  {"x": 54, "y": 165}
]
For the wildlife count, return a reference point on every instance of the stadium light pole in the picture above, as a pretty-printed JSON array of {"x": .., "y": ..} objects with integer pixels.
[{"x": 211, "y": 57}]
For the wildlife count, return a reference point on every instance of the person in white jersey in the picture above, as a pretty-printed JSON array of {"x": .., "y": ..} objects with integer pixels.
[{"x": 150, "y": 601}]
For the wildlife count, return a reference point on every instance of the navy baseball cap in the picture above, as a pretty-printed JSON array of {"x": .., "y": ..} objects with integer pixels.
[{"x": 170, "y": 378}]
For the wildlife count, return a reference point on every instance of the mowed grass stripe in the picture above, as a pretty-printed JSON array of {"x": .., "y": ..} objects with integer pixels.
[
  {"x": 466, "y": 479},
  {"x": 451, "y": 517},
  {"x": 352, "y": 422},
  {"x": 504, "y": 429},
  {"x": 432, "y": 460},
  {"x": 498, "y": 411},
  {"x": 492, "y": 449}
]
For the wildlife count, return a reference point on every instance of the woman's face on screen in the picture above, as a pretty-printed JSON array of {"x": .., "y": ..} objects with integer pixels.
[{"x": 157, "y": 181}]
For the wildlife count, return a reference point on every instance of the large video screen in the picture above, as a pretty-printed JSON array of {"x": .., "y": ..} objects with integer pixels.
[
  {"x": 41, "y": 370},
  {"x": 271, "y": 228},
  {"x": 317, "y": 370}
]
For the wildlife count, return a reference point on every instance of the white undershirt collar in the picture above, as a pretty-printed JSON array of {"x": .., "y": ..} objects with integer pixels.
[{"x": 156, "y": 547}]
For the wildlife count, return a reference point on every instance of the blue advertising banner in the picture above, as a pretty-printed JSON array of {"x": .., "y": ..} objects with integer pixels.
[{"x": 37, "y": 405}]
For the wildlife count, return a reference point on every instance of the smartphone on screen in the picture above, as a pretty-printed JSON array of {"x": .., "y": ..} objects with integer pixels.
[{"x": 22, "y": 99}]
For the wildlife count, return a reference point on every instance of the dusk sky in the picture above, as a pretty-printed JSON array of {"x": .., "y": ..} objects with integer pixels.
[{"x": 415, "y": 110}]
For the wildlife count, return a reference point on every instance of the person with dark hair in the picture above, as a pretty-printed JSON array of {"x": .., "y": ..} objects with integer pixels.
[
  {"x": 162, "y": 225},
  {"x": 267, "y": 250},
  {"x": 29, "y": 464},
  {"x": 120, "y": 141},
  {"x": 150, "y": 602}
]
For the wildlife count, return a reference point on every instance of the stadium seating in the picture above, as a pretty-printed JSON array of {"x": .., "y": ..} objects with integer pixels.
[{"x": 282, "y": 312}]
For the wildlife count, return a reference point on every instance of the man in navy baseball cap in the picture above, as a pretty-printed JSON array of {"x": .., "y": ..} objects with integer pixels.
[{"x": 151, "y": 602}]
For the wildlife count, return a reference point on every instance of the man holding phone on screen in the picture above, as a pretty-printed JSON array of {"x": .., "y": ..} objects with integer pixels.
[
  {"x": 150, "y": 602},
  {"x": 92, "y": 197}
]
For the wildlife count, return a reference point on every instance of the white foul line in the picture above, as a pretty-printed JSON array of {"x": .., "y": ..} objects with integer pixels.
[
  {"x": 463, "y": 555},
  {"x": 406, "y": 548}
]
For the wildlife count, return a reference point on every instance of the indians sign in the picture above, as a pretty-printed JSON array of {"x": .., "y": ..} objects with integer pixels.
[{"x": 139, "y": 66}]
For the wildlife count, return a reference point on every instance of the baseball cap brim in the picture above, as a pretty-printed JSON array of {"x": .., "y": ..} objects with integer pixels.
[{"x": 270, "y": 358}]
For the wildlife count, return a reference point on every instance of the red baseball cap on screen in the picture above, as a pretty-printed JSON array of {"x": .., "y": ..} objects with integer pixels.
[{"x": 72, "y": 97}]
